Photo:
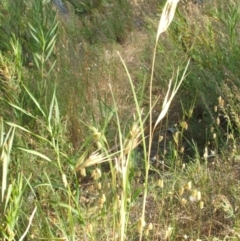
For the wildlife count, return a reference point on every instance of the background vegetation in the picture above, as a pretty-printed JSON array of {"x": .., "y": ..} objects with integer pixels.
[{"x": 85, "y": 154}]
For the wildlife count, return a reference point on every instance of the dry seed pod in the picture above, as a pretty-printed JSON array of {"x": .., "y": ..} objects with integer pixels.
[
  {"x": 160, "y": 138},
  {"x": 64, "y": 179},
  {"x": 83, "y": 172},
  {"x": 135, "y": 131},
  {"x": 184, "y": 125},
  {"x": 99, "y": 186},
  {"x": 141, "y": 224},
  {"x": 89, "y": 228},
  {"x": 181, "y": 191},
  {"x": 205, "y": 155},
  {"x": 193, "y": 196},
  {"x": 146, "y": 232},
  {"x": 160, "y": 183},
  {"x": 188, "y": 186},
  {"x": 220, "y": 101},
  {"x": 137, "y": 174},
  {"x": 168, "y": 233},
  {"x": 183, "y": 201},
  {"x": 96, "y": 174},
  {"x": 199, "y": 196},
  {"x": 150, "y": 226}
]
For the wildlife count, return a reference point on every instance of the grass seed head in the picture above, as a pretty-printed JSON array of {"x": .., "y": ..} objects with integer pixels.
[
  {"x": 150, "y": 226},
  {"x": 220, "y": 101},
  {"x": 137, "y": 174},
  {"x": 64, "y": 179},
  {"x": 205, "y": 155},
  {"x": 181, "y": 191},
  {"x": 141, "y": 224},
  {"x": 89, "y": 228},
  {"x": 96, "y": 174},
  {"x": 184, "y": 125},
  {"x": 193, "y": 196},
  {"x": 101, "y": 201},
  {"x": 160, "y": 183},
  {"x": 96, "y": 135},
  {"x": 160, "y": 138},
  {"x": 104, "y": 198},
  {"x": 183, "y": 201},
  {"x": 168, "y": 233},
  {"x": 135, "y": 131},
  {"x": 188, "y": 186},
  {"x": 83, "y": 172},
  {"x": 201, "y": 205},
  {"x": 99, "y": 185},
  {"x": 199, "y": 196}
]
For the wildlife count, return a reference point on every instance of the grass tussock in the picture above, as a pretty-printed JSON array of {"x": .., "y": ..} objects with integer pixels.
[{"x": 119, "y": 120}]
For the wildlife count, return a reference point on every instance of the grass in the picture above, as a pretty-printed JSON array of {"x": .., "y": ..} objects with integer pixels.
[{"x": 118, "y": 126}]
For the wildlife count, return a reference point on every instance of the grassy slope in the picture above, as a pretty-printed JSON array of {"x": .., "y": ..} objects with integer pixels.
[{"x": 193, "y": 185}]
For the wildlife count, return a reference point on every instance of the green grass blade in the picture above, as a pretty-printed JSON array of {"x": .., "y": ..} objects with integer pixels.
[
  {"x": 8, "y": 195},
  {"x": 34, "y": 100},
  {"x": 22, "y": 110},
  {"x": 1, "y": 131},
  {"x": 36, "y": 153},
  {"x": 54, "y": 28},
  {"x": 50, "y": 114},
  {"x": 27, "y": 131},
  {"x": 33, "y": 31}
]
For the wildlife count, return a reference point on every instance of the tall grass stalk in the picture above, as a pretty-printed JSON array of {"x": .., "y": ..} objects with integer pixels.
[
  {"x": 6, "y": 141},
  {"x": 43, "y": 30},
  {"x": 165, "y": 20},
  {"x": 52, "y": 127},
  {"x": 122, "y": 162},
  {"x": 17, "y": 52},
  {"x": 123, "y": 157},
  {"x": 51, "y": 123}
]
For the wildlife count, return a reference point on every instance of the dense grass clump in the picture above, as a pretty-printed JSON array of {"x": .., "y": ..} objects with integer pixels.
[{"x": 117, "y": 126}]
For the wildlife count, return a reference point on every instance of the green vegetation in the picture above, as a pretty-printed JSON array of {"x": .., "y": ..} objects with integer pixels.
[{"x": 115, "y": 126}]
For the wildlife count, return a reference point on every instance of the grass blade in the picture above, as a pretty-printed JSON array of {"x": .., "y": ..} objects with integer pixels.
[
  {"x": 29, "y": 224},
  {"x": 34, "y": 100},
  {"x": 36, "y": 153}
]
